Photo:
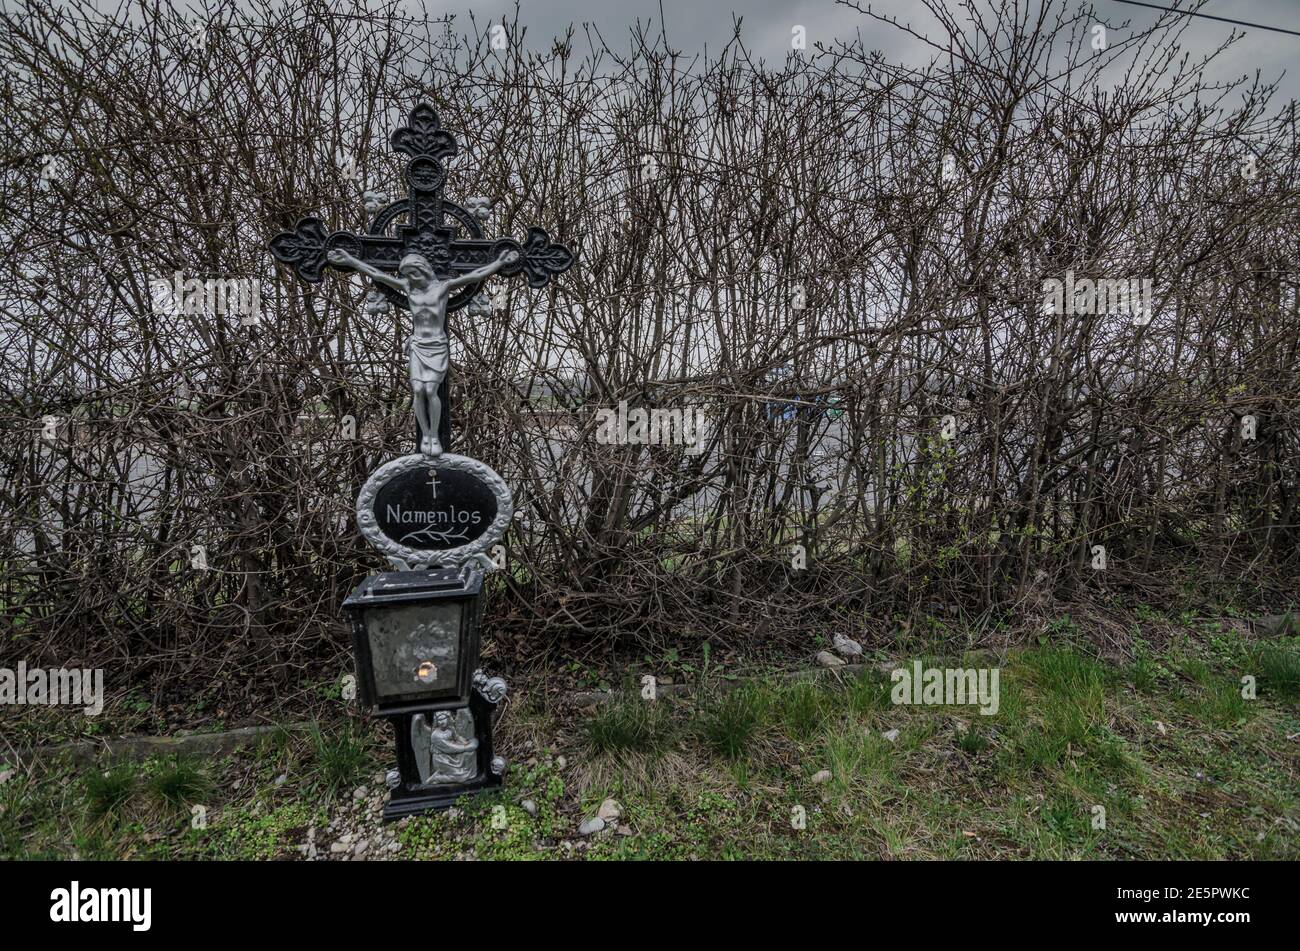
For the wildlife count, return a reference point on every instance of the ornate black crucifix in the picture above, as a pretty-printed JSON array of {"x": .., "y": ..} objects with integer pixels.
[{"x": 452, "y": 248}]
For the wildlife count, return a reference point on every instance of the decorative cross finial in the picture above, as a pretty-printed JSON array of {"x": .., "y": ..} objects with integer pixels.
[{"x": 452, "y": 247}]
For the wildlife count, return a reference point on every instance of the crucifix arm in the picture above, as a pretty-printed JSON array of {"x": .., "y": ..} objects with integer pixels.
[
  {"x": 340, "y": 258},
  {"x": 473, "y": 277}
]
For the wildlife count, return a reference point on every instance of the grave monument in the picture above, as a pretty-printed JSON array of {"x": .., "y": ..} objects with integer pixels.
[{"x": 433, "y": 514}]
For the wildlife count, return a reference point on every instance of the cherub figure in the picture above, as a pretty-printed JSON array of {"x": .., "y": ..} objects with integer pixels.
[
  {"x": 427, "y": 345},
  {"x": 493, "y": 689}
]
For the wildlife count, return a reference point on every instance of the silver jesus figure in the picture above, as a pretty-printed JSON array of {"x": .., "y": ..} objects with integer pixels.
[{"x": 427, "y": 345}]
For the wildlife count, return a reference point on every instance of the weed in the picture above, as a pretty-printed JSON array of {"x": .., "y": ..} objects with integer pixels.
[
  {"x": 108, "y": 791},
  {"x": 728, "y": 724},
  {"x": 342, "y": 757},
  {"x": 1279, "y": 669},
  {"x": 629, "y": 726},
  {"x": 178, "y": 783}
]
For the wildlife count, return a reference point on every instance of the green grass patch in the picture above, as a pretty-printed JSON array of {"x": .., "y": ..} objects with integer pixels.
[
  {"x": 108, "y": 792},
  {"x": 178, "y": 783},
  {"x": 629, "y": 725},
  {"x": 341, "y": 755},
  {"x": 729, "y": 724},
  {"x": 1278, "y": 666},
  {"x": 801, "y": 710},
  {"x": 1156, "y": 757}
]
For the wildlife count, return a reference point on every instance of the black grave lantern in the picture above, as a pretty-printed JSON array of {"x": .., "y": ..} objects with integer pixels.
[
  {"x": 415, "y": 635},
  {"x": 416, "y": 639}
]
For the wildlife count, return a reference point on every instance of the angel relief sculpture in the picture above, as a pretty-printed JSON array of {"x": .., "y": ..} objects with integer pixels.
[{"x": 446, "y": 750}]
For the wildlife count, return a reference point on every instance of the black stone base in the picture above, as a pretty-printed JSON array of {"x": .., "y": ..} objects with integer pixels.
[{"x": 411, "y": 802}]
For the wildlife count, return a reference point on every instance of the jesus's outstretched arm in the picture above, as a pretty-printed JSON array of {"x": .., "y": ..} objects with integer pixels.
[
  {"x": 340, "y": 258},
  {"x": 473, "y": 277}
]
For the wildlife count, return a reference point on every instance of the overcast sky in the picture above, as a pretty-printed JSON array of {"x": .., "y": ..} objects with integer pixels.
[{"x": 694, "y": 24}]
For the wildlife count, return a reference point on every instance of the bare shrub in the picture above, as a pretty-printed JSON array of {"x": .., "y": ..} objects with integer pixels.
[{"x": 838, "y": 260}]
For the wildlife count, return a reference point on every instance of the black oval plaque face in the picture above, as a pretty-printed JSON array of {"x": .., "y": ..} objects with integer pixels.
[{"x": 433, "y": 509}]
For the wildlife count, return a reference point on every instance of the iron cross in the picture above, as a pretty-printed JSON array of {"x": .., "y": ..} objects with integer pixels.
[{"x": 447, "y": 235}]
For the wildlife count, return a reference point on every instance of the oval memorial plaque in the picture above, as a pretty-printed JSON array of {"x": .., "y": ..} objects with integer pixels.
[
  {"x": 422, "y": 510},
  {"x": 428, "y": 509}
]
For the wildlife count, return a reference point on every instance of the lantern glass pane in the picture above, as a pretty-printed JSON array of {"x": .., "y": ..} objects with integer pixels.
[{"x": 414, "y": 648}]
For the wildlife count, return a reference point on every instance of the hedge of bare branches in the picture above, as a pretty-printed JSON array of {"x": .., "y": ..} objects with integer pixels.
[{"x": 838, "y": 261}]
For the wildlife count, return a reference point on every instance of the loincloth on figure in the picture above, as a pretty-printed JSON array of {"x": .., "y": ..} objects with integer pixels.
[{"x": 428, "y": 359}]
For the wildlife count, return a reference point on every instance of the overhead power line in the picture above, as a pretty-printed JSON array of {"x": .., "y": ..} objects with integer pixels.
[{"x": 1207, "y": 16}]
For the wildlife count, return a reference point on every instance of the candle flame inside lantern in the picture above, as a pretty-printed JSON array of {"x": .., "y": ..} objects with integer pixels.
[{"x": 426, "y": 672}]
